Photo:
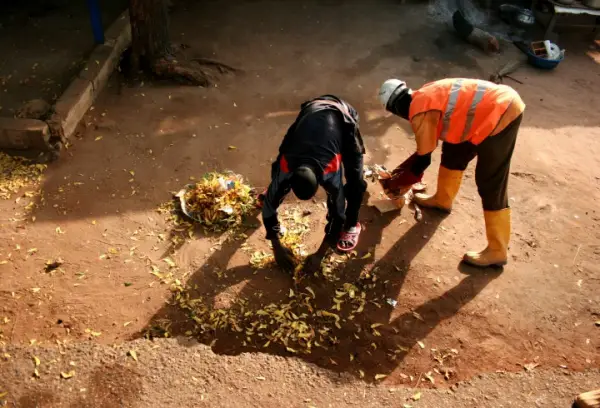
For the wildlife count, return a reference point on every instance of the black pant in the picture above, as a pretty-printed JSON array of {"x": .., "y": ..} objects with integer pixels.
[
  {"x": 493, "y": 164},
  {"x": 355, "y": 187}
]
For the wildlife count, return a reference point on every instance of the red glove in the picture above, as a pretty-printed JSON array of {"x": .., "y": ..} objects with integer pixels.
[{"x": 402, "y": 178}]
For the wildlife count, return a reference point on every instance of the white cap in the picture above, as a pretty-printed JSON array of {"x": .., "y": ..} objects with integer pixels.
[{"x": 388, "y": 88}]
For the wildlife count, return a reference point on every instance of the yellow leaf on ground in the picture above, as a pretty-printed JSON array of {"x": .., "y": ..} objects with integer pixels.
[
  {"x": 261, "y": 378},
  {"x": 170, "y": 262},
  {"x": 36, "y": 361},
  {"x": 93, "y": 333},
  {"x": 68, "y": 375},
  {"x": 361, "y": 373},
  {"x": 97, "y": 138},
  {"x": 421, "y": 344},
  {"x": 3, "y": 394},
  {"x": 416, "y": 397},
  {"x": 380, "y": 376},
  {"x": 418, "y": 316},
  {"x": 367, "y": 256},
  {"x": 133, "y": 354},
  {"x": 232, "y": 147}
]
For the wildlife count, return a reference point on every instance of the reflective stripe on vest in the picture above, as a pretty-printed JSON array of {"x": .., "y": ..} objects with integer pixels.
[{"x": 471, "y": 108}]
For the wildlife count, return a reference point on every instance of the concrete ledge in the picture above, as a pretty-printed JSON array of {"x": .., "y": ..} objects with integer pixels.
[
  {"x": 31, "y": 134},
  {"x": 24, "y": 134},
  {"x": 81, "y": 93}
]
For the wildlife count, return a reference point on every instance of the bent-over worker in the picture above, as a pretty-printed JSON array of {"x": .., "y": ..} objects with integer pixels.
[
  {"x": 323, "y": 140},
  {"x": 472, "y": 118}
]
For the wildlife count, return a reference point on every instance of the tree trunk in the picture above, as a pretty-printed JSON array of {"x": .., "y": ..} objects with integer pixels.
[
  {"x": 149, "y": 30},
  {"x": 152, "y": 50}
]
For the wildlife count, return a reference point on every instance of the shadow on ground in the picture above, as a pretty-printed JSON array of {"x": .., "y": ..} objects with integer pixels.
[{"x": 363, "y": 344}]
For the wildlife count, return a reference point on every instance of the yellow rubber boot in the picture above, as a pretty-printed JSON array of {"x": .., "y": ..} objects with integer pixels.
[
  {"x": 497, "y": 228},
  {"x": 448, "y": 185}
]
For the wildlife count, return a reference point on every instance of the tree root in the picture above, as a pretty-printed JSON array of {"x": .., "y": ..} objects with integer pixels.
[
  {"x": 197, "y": 71},
  {"x": 219, "y": 66}
]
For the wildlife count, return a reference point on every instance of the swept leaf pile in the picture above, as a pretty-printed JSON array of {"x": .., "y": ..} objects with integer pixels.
[{"x": 218, "y": 201}]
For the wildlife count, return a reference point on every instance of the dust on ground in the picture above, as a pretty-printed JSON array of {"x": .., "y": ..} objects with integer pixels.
[{"x": 98, "y": 210}]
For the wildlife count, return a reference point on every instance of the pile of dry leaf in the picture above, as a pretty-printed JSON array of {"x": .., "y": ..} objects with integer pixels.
[
  {"x": 218, "y": 201},
  {"x": 17, "y": 173}
]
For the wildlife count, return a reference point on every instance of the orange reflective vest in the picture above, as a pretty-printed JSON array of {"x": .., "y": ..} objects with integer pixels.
[{"x": 471, "y": 108}]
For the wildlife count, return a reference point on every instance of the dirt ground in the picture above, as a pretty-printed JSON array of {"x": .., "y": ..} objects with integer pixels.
[
  {"x": 98, "y": 212},
  {"x": 43, "y": 44}
]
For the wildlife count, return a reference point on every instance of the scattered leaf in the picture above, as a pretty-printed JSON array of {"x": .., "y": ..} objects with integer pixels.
[
  {"x": 231, "y": 147},
  {"x": 36, "y": 361},
  {"x": 260, "y": 378},
  {"x": 59, "y": 230},
  {"x": 127, "y": 284},
  {"x": 366, "y": 256},
  {"x": 418, "y": 316},
  {"x": 361, "y": 373},
  {"x": 93, "y": 333},
  {"x": 311, "y": 292},
  {"x": 380, "y": 376},
  {"x": 421, "y": 344},
  {"x": 170, "y": 262},
  {"x": 97, "y": 138},
  {"x": 132, "y": 354},
  {"x": 3, "y": 394},
  {"x": 66, "y": 376},
  {"x": 36, "y": 373},
  {"x": 416, "y": 397}
]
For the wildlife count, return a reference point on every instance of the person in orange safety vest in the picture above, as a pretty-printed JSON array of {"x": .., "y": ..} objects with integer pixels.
[{"x": 471, "y": 118}]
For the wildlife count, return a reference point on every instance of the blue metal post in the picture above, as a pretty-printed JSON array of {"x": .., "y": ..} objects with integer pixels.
[{"x": 96, "y": 20}]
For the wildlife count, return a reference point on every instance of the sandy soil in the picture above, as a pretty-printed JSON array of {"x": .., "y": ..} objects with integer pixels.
[
  {"x": 169, "y": 374},
  {"x": 143, "y": 142}
]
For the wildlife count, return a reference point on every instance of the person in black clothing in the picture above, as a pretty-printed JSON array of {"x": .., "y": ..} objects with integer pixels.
[{"x": 323, "y": 141}]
